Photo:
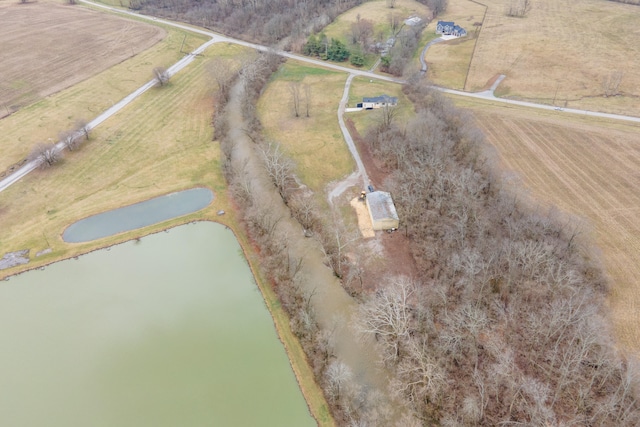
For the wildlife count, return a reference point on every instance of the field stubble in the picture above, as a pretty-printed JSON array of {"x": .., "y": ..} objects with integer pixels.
[
  {"x": 98, "y": 89},
  {"x": 591, "y": 170},
  {"x": 561, "y": 52}
]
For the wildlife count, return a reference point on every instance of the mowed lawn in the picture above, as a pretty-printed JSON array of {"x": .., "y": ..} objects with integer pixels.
[
  {"x": 561, "y": 53},
  {"x": 315, "y": 143},
  {"x": 448, "y": 62},
  {"x": 362, "y": 87},
  {"x": 589, "y": 168},
  {"x": 159, "y": 144},
  {"x": 45, "y": 119}
]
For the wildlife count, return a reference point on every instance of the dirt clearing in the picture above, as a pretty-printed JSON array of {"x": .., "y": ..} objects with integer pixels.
[
  {"x": 364, "y": 221},
  {"x": 47, "y": 47}
]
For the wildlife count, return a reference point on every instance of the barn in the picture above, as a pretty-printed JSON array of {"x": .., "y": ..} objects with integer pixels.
[{"x": 382, "y": 211}]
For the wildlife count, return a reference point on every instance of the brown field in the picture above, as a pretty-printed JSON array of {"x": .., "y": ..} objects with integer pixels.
[
  {"x": 589, "y": 168},
  {"x": 44, "y": 119},
  {"x": 561, "y": 51},
  {"x": 47, "y": 46}
]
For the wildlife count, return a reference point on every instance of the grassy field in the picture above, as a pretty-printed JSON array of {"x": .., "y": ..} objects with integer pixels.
[
  {"x": 587, "y": 167},
  {"x": 449, "y": 61},
  {"x": 39, "y": 58},
  {"x": 87, "y": 99},
  {"x": 361, "y": 87},
  {"x": 561, "y": 51},
  {"x": 159, "y": 144},
  {"x": 315, "y": 143}
]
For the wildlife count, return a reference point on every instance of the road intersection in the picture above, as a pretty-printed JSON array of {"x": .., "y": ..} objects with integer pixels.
[{"x": 217, "y": 38}]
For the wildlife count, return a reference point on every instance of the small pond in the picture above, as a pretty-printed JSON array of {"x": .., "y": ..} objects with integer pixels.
[
  {"x": 170, "y": 330},
  {"x": 138, "y": 215}
]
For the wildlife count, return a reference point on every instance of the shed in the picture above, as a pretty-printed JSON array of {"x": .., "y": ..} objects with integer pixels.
[{"x": 382, "y": 211}]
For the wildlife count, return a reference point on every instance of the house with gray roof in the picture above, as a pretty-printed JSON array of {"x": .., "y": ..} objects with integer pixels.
[
  {"x": 378, "y": 102},
  {"x": 449, "y": 28}
]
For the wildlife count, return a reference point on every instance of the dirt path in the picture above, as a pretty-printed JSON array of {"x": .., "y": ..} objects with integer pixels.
[{"x": 334, "y": 308}]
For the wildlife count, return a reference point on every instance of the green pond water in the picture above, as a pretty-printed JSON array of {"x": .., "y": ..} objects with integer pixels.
[{"x": 167, "y": 331}]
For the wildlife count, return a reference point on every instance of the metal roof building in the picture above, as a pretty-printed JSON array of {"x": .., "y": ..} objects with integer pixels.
[{"x": 382, "y": 211}]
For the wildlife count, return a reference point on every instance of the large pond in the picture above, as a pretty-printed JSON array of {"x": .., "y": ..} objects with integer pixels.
[
  {"x": 138, "y": 215},
  {"x": 167, "y": 331}
]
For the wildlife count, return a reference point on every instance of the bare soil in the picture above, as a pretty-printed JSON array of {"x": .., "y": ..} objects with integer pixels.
[{"x": 47, "y": 47}]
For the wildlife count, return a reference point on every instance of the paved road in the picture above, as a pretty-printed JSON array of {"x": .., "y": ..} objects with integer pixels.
[{"x": 216, "y": 38}]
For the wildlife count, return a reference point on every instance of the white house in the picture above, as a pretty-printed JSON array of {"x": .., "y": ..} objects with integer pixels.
[
  {"x": 382, "y": 211},
  {"x": 378, "y": 102}
]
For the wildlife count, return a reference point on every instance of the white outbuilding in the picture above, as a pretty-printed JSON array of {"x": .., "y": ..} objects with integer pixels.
[{"x": 382, "y": 211}]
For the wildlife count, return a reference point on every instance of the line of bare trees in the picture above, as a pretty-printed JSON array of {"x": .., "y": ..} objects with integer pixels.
[
  {"x": 280, "y": 263},
  {"x": 505, "y": 323},
  {"x": 48, "y": 153},
  {"x": 267, "y": 21}
]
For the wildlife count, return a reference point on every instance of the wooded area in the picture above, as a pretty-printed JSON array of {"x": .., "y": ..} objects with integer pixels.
[
  {"x": 506, "y": 323},
  {"x": 260, "y": 20}
]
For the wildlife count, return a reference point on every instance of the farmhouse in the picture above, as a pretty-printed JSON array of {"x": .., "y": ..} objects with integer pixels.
[
  {"x": 449, "y": 28},
  {"x": 382, "y": 211},
  {"x": 378, "y": 102}
]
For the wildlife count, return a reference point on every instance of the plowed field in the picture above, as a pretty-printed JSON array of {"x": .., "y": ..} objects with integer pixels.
[
  {"x": 591, "y": 170},
  {"x": 47, "y": 47}
]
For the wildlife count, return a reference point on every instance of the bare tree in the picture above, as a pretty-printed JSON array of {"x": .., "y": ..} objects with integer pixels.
[
  {"x": 337, "y": 376},
  {"x": 279, "y": 168},
  {"x": 305, "y": 210},
  {"x": 307, "y": 99},
  {"x": 82, "y": 126},
  {"x": 294, "y": 90},
  {"x": 223, "y": 72},
  {"x": 161, "y": 76},
  {"x": 71, "y": 139},
  {"x": 387, "y": 116},
  {"x": 391, "y": 4},
  {"x": 46, "y": 154},
  {"x": 394, "y": 22},
  {"x": 335, "y": 238},
  {"x": 611, "y": 83},
  {"x": 387, "y": 317}
]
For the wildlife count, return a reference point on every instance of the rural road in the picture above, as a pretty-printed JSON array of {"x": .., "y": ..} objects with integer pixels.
[{"x": 216, "y": 38}]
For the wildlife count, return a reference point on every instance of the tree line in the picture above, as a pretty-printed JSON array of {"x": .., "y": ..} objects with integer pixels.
[
  {"x": 280, "y": 264},
  {"x": 266, "y": 21},
  {"x": 506, "y": 322}
]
